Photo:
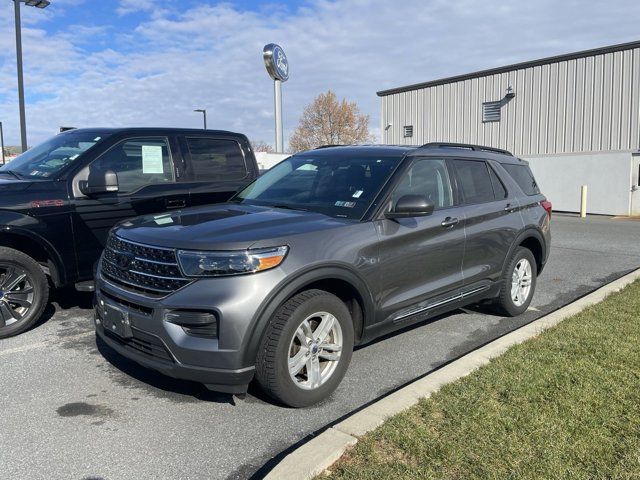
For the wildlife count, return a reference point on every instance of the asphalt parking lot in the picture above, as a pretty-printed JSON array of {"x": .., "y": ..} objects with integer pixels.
[{"x": 69, "y": 412}]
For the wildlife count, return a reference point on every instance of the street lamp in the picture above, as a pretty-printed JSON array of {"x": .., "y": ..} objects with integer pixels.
[
  {"x": 2, "y": 142},
  {"x": 204, "y": 113},
  {"x": 23, "y": 122}
]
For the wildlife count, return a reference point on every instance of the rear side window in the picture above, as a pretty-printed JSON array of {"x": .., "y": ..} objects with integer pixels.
[
  {"x": 498, "y": 187},
  {"x": 523, "y": 177},
  {"x": 216, "y": 159},
  {"x": 474, "y": 180}
]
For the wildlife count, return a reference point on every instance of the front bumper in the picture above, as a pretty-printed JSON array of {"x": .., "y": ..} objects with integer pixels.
[{"x": 157, "y": 343}]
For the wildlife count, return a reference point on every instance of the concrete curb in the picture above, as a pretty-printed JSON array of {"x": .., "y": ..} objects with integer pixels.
[{"x": 317, "y": 455}]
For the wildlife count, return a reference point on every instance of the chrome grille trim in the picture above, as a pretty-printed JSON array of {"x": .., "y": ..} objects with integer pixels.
[{"x": 152, "y": 271}]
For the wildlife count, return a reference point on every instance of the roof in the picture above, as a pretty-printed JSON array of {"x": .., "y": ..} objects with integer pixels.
[
  {"x": 149, "y": 130},
  {"x": 515, "y": 66},
  {"x": 440, "y": 149}
]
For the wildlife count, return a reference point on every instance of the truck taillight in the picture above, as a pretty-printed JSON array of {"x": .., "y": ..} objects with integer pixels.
[{"x": 546, "y": 204}]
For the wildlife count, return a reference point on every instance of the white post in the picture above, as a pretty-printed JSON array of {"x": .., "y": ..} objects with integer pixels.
[
  {"x": 277, "y": 98},
  {"x": 583, "y": 201}
]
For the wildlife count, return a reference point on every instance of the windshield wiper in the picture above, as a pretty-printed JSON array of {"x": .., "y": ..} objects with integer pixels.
[
  {"x": 290, "y": 207},
  {"x": 11, "y": 172}
]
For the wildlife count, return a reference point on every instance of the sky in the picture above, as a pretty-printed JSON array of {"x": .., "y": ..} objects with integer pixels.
[{"x": 91, "y": 63}]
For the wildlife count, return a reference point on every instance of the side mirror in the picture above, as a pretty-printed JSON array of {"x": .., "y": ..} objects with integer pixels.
[
  {"x": 100, "y": 182},
  {"x": 411, "y": 206}
]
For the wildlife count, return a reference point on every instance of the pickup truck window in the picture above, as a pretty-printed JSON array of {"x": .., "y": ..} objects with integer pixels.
[
  {"x": 137, "y": 162},
  {"x": 216, "y": 159},
  {"x": 49, "y": 158}
]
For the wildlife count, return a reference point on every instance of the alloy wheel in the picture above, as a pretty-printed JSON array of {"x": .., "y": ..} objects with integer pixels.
[
  {"x": 314, "y": 351},
  {"x": 16, "y": 294},
  {"x": 521, "y": 282}
]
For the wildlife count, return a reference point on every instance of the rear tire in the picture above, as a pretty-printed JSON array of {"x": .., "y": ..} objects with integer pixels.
[
  {"x": 306, "y": 349},
  {"x": 518, "y": 284},
  {"x": 24, "y": 292}
]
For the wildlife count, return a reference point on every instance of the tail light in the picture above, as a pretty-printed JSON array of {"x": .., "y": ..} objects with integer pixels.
[{"x": 546, "y": 204}]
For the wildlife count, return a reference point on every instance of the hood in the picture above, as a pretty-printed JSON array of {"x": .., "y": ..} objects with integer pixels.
[
  {"x": 10, "y": 184},
  {"x": 227, "y": 226}
]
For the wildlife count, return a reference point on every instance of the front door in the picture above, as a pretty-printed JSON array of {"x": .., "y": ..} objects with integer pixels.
[
  {"x": 421, "y": 257},
  {"x": 146, "y": 184}
]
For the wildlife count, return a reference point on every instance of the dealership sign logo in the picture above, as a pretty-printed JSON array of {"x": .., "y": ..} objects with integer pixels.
[{"x": 276, "y": 62}]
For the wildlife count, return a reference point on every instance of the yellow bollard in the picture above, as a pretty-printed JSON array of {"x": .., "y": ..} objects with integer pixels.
[{"x": 583, "y": 201}]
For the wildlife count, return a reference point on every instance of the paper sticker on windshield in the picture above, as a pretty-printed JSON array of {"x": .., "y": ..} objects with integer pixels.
[
  {"x": 152, "y": 159},
  {"x": 345, "y": 204},
  {"x": 357, "y": 194}
]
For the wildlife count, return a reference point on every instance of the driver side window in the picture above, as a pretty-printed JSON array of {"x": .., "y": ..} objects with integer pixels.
[
  {"x": 137, "y": 162},
  {"x": 428, "y": 177}
]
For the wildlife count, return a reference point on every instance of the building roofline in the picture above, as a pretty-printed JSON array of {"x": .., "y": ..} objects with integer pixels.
[{"x": 516, "y": 66}]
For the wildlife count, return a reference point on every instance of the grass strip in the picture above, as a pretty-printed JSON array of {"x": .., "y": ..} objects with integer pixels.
[{"x": 565, "y": 404}]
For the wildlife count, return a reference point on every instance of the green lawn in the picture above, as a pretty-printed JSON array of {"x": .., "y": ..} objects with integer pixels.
[{"x": 565, "y": 404}]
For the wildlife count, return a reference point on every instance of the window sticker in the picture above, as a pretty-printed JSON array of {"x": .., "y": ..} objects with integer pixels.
[
  {"x": 357, "y": 194},
  {"x": 152, "y": 159},
  {"x": 340, "y": 203}
]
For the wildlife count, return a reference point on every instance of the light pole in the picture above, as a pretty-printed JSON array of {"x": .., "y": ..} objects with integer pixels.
[
  {"x": 204, "y": 113},
  {"x": 2, "y": 142},
  {"x": 23, "y": 121}
]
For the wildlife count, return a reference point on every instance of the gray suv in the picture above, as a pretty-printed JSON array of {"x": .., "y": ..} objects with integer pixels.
[{"x": 327, "y": 250}]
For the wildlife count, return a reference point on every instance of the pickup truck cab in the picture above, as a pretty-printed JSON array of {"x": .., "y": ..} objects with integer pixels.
[{"x": 59, "y": 200}]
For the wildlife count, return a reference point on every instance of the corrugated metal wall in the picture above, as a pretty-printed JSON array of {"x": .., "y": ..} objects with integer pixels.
[{"x": 576, "y": 105}]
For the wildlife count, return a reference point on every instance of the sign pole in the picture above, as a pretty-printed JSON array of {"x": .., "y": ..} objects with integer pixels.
[
  {"x": 278, "y": 68},
  {"x": 277, "y": 98}
]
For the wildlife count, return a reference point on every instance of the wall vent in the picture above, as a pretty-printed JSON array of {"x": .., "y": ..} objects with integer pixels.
[
  {"x": 408, "y": 131},
  {"x": 491, "y": 111}
]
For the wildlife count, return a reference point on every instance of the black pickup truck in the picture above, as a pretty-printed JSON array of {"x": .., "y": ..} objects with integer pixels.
[{"x": 59, "y": 200}]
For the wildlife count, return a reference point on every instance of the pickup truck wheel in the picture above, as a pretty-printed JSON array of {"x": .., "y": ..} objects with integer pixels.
[
  {"x": 518, "y": 284},
  {"x": 23, "y": 292},
  {"x": 306, "y": 349}
]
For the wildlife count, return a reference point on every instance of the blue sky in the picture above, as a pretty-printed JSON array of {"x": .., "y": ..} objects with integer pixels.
[{"x": 151, "y": 62}]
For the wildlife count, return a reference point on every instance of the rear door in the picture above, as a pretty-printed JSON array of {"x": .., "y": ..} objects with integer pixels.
[
  {"x": 215, "y": 167},
  {"x": 147, "y": 183},
  {"x": 421, "y": 257},
  {"x": 492, "y": 221}
]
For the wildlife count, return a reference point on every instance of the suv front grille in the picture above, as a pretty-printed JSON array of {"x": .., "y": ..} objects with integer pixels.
[{"x": 146, "y": 269}]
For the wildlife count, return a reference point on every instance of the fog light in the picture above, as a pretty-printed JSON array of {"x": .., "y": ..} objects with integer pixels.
[{"x": 195, "y": 323}]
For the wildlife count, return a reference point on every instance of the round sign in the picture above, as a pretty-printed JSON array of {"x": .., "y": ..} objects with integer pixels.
[{"x": 276, "y": 62}]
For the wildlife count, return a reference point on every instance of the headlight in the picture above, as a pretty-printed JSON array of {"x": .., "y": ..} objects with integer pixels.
[{"x": 213, "y": 264}]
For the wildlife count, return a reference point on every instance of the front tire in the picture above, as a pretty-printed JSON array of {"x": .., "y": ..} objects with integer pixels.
[
  {"x": 24, "y": 292},
  {"x": 518, "y": 283},
  {"x": 306, "y": 349}
]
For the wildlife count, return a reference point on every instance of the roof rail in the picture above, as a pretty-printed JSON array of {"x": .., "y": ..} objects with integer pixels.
[
  {"x": 331, "y": 145},
  {"x": 477, "y": 148}
]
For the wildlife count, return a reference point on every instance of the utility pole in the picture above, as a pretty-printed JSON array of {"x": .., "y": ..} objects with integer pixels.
[{"x": 23, "y": 122}]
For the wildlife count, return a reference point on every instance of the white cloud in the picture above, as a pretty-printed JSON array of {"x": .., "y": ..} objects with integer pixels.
[{"x": 211, "y": 57}]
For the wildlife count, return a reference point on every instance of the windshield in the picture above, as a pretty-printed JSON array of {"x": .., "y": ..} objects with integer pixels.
[
  {"x": 50, "y": 157},
  {"x": 339, "y": 187}
]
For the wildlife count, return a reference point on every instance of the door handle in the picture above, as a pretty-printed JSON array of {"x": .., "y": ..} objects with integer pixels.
[
  {"x": 176, "y": 203},
  {"x": 449, "y": 222},
  {"x": 509, "y": 208}
]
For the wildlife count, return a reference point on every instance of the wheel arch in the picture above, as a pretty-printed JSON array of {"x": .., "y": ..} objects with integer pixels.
[
  {"x": 37, "y": 248},
  {"x": 534, "y": 241},
  {"x": 338, "y": 280}
]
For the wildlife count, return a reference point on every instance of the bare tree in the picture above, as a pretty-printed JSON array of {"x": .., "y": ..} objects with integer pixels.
[
  {"x": 261, "y": 146},
  {"x": 328, "y": 121}
]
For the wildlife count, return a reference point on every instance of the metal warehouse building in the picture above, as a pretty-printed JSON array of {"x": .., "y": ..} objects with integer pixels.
[{"x": 574, "y": 117}]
